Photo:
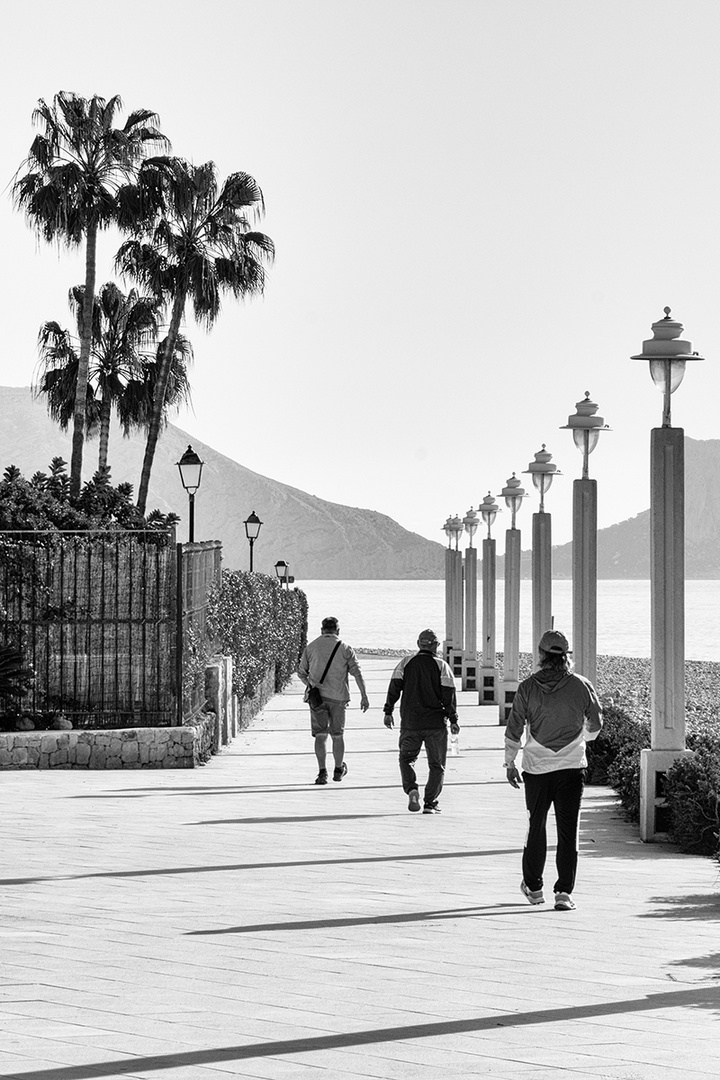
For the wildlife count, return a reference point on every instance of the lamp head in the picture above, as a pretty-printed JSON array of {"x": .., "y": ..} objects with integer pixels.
[
  {"x": 190, "y": 467},
  {"x": 489, "y": 510},
  {"x": 542, "y": 470},
  {"x": 471, "y": 522},
  {"x": 667, "y": 354},
  {"x": 252, "y": 526}
]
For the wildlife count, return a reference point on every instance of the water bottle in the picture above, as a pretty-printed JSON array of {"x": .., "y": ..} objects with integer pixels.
[{"x": 454, "y": 745}]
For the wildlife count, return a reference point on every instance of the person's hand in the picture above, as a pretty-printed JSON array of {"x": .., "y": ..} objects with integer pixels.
[
  {"x": 513, "y": 776},
  {"x": 364, "y": 703},
  {"x": 454, "y": 727},
  {"x": 388, "y": 720}
]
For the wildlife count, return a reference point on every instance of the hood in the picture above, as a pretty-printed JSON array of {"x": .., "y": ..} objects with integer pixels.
[{"x": 550, "y": 681}]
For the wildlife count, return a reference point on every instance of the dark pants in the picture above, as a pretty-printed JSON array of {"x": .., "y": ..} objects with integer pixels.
[
  {"x": 410, "y": 743},
  {"x": 562, "y": 790}
]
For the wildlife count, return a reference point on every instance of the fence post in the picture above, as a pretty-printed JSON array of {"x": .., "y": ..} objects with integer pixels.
[{"x": 179, "y": 637}]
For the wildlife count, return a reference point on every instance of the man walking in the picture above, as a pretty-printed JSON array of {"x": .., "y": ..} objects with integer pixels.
[
  {"x": 325, "y": 664},
  {"x": 427, "y": 687},
  {"x": 559, "y": 712}
]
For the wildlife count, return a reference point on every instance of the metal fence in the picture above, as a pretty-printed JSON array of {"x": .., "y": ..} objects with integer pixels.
[
  {"x": 95, "y": 615},
  {"x": 199, "y": 571}
]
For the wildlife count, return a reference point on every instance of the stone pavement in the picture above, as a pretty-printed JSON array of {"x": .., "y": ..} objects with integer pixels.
[{"x": 236, "y": 920}]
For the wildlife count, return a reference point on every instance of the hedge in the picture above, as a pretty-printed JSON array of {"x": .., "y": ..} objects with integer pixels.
[{"x": 258, "y": 623}]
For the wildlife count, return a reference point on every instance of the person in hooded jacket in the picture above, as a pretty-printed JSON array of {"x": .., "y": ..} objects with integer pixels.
[{"x": 558, "y": 712}]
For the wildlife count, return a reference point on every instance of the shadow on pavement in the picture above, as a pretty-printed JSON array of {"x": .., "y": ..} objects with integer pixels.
[
  {"x": 697, "y": 906},
  {"x": 705, "y": 998}
]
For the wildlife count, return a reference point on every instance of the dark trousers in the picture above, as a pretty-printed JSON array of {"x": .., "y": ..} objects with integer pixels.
[
  {"x": 562, "y": 790},
  {"x": 410, "y": 743}
]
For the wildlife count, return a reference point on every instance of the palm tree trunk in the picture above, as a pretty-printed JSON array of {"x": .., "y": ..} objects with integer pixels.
[
  {"x": 105, "y": 413},
  {"x": 159, "y": 401},
  {"x": 80, "y": 410}
]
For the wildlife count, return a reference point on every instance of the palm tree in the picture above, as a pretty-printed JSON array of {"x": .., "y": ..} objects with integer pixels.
[
  {"x": 195, "y": 243},
  {"x": 135, "y": 406},
  {"x": 120, "y": 373},
  {"x": 68, "y": 192}
]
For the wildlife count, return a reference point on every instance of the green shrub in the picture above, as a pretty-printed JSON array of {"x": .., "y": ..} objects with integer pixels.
[
  {"x": 692, "y": 791},
  {"x": 620, "y": 734},
  {"x": 258, "y": 623}
]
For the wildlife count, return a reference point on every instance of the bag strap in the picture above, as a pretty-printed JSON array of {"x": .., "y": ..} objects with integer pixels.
[{"x": 327, "y": 666}]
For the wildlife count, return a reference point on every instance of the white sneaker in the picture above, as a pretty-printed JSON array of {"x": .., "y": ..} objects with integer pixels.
[
  {"x": 535, "y": 897},
  {"x": 564, "y": 902}
]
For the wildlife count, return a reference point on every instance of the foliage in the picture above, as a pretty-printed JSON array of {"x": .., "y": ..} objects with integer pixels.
[
  {"x": 15, "y": 677},
  {"x": 692, "y": 792},
  {"x": 258, "y": 623},
  {"x": 192, "y": 241},
  {"x": 44, "y": 502}
]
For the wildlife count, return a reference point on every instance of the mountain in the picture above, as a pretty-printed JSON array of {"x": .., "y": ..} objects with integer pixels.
[
  {"x": 318, "y": 539},
  {"x": 624, "y": 549}
]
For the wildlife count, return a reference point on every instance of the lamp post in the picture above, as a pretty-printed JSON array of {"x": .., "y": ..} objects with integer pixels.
[
  {"x": 542, "y": 470},
  {"x": 282, "y": 570},
  {"x": 667, "y": 356},
  {"x": 455, "y": 562},
  {"x": 190, "y": 467},
  {"x": 489, "y": 510},
  {"x": 253, "y": 525},
  {"x": 513, "y": 494},
  {"x": 469, "y": 664},
  {"x": 586, "y": 427}
]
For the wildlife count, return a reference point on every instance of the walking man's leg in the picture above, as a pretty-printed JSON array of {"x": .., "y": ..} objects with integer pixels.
[
  {"x": 336, "y": 712},
  {"x": 538, "y": 798},
  {"x": 409, "y": 745},
  {"x": 436, "y": 743},
  {"x": 568, "y": 796},
  {"x": 320, "y": 726}
]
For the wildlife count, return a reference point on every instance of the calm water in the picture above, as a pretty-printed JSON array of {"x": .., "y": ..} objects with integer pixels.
[{"x": 389, "y": 614}]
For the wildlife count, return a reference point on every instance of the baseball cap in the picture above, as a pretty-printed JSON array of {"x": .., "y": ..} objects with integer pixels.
[
  {"x": 553, "y": 641},
  {"x": 427, "y": 637}
]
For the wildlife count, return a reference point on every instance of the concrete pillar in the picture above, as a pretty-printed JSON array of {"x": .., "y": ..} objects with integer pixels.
[
  {"x": 455, "y": 651},
  {"x": 584, "y": 578},
  {"x": 667, "y": 614},
  {"x": 447, "y": 643},
  {"x": 470, "y": 660},
  {"x": 488, "y": 670},
  {"x": 541, "y": 578},
  {"x": 511, "y": 654}
]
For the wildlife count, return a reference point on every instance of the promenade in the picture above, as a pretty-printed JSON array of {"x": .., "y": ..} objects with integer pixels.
[{"x": 236, "y": 920}]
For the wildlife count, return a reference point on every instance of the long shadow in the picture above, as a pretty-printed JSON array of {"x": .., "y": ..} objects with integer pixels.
[
  {"x": 288, "y": 789},
  {"x": 291, "y": 820},
  {"x": 704, "y": 998},
  {"x": 698, "y": 907},
  {"x": 366, "y": 920},
  {"x": 222, "y": 868}
]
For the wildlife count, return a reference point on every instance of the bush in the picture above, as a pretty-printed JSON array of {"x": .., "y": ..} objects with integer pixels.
[
  {"x": 258, "y": 623},
  {"x": 692, "y": 791}
]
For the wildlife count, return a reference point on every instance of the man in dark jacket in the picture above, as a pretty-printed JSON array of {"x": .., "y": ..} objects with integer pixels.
[
  {"x": 558, "y": 713},
  {"x": 427, "y": 687}
]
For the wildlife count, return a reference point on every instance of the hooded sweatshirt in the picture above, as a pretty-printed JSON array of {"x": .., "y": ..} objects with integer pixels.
[{"x": 559, "y": 712}]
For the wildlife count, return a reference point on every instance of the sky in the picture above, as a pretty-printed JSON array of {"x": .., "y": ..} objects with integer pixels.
[{"x": 479, "y": 208}]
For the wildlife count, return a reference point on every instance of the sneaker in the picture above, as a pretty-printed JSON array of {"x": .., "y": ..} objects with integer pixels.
[
  {"x": 321, "y": 777},
  {"x": 564, "y": 902},
  {"x": 413, "y": 800},
  {"x": 340, "y": 772},
  {"x": 535, "y": 897},
  {"x": 431, "y": 808}
]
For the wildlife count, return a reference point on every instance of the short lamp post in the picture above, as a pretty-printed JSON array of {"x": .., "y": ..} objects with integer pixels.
[
  {"x": 253, "y": 524},
  {"x": 282, "y": 571},
  {"x": 190, "y": 467},
  {"x": 488, "y": 694},
  {"x": 667, "y": 356},
  {"x": 542, "y": 470},
  {"x": 586, "y": 426},
  {"x": 454, "y": 583},
  {"x": 470, "y": 659},
  {"x": 513, "y": 494}
]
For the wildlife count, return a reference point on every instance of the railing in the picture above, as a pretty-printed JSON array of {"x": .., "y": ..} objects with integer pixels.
[
  {"x": 198, "y": 571},
  {"x": 96, "y": 615}
]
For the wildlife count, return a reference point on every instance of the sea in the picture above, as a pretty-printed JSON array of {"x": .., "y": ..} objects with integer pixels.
[{"x": 390, "y": 614}]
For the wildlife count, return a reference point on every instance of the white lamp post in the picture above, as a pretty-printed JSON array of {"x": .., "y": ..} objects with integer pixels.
[
  {"x": 190, "y": 467},
  {"x": 667, "y": 355},
  {"x": 470, "y": 660},
  {"x": 513, "y": 494},
  {"x": 542, "y": 470},
  {"x": 586, "y": 426},
  {"x": 489, "y": 510}
]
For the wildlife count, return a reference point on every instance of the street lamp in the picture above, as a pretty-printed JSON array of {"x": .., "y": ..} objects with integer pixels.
[
  {"x": 190, "y": 467},
  {"x": 489, "y": 510},
  {"x": 586, "y": 426},
  {"x": 667, "y": 355},
  {"x": 252, "y": 529},
  {"x": 282, "y": 571},
  {"x": 453, "y": 644},
  {"x": 513, "y": 494},
  {"x": 469, "y": 663},
  {"x": 542, "y": 470}
]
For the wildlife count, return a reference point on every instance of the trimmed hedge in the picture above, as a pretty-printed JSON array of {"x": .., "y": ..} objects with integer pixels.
[{"x": 258, "y": 623}]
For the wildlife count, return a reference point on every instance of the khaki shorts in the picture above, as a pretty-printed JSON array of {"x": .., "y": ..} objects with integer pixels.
[{"x": 329, "y": 719}]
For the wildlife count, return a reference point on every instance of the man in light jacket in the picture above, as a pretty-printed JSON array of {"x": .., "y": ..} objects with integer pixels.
[{"x": 558, "y": 712}]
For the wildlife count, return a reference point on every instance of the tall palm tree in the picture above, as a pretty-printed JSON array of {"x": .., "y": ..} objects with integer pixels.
[
  {"x": 121, "y": 370},
  {"x": 69, "y": 193},
  {"x": 196, "y": 243},
  {"x": 135, "y": 406}
]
